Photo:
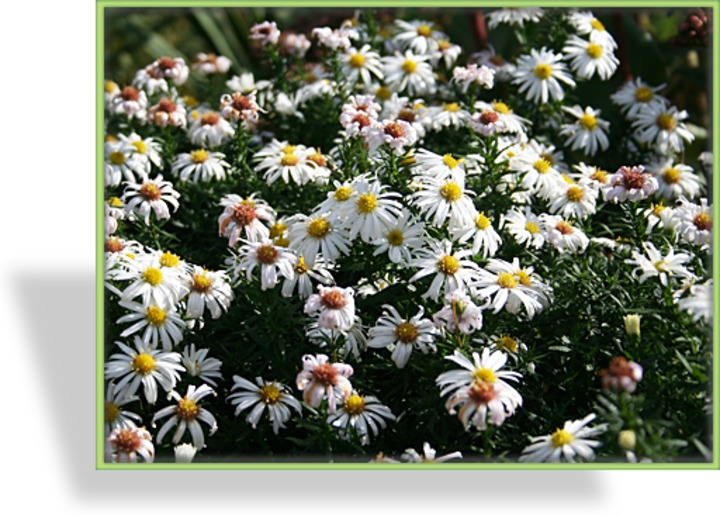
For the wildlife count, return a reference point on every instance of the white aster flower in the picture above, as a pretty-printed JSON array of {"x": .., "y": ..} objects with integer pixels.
[
  {"x": 525, "y": 227},
  {"x": 597, "y": 177},
  {"x": 209, "y": 129},
  {"x": 167, "y": 113},
  {"x": 636, "y": 95},
  {"x": 429, "y": 164},
  {"x": 418, "y": 35},
  {"x": 372, "y": 211},
  {"x": 397, "y": 134},
  {"x": 316, "y": 234},
  {"x": 449, "y": 114},
  {"x": 161, "y": 325},
  {"x": 240, "y": 107},
  {"x": 450, "y": 269},
  {"x": 242, "y": 217},
  {"x": 304, "y": 275},
  {"x": 320, "y": 378},
  {"x": 483, "y": 235},
  {"x": 441, "y": 198},
  {"x": 144, "y": 153},
  {"x": 459, "y": 313},
  {"x": 401, "y": 238},
  {"x": 208, "y": 64},
  {"x": 119, "y": 165},
  {"x": 273, "y": 396},
  {"x": 117, "y": 254},
  {"x": 699, "y": 303},
  {"x": 507, "y": 119},
  {"x": 694, "y": 222},
  {"x": 429, "y": 455},
  {"x": 273, "y": 261},
  {"x": 360, "y": 415},
  {"x": 409, "y": 73},
  {"x": 197, "y": 364},
  {"x": 280, "y": 160},
  {"x": 654, "y": 264},
  {"x": 482, "y": 75},
  {"x": 201, "y": 166},
  {"x": 265, "y": 33},
  {"x": 124, "y": 445},
  {"x": 675, "y": 179},
  {"x": 630, "y": 183},
  {"x": 662, "y": 126},
  {"x": 539, "y": 75},
  {"x": 174, "y": 69},
  {"x": 514, "y": 16},
  {"x": 402, "y": 334},
  {"x": 565, "y": 444},
  {"x": 187, "y": 414},
  {"x": 334, "y": 39},
  {"x": 185, "y": 453},
  {"x": 115, "y": 416},
  {"x": 510, "y": 286},
  {"x": 446, "y": 52},
  {"x": 539, "y": 174},
  {"x": 563, "y": 235},
  {"x": 586, "y": 23},
  {"x": 151, "y": 196},
  {"x": 129, "y": 101},
  {"x": 336, "y": 307},
  {"x": 575, "y": 200},
  {"x": 588, "y": 132},
  {"x": 588, "y": 58},
  {"x": 153, "y": 282},
  {"x": 361, "y": 65}
]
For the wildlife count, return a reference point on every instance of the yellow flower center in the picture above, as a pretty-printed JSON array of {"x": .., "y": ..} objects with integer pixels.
[
  {"x": 594, "y": 50},
  {"x": 115, "y": 202},
  {"x": 453, "y": 107},
  {"x": 564, "y": 227},
  {"x": 703, "y": 221},
  {"x": 450, "y": 161},
  {"x": 409, "y": 66},
  {"x": 657, "y": 209},
  {"x": 672, "y": 175},
  {"x": 267, "y": 254},
  {"x": 588, "y": 121},
  {"x": 449, "y": 265},
  {"x": 140, "y": 146},
  {"x": 202, "y": 283},
  {"x": 532, "y": 227},
  {"x": 567, "y": 179},
  {"x": 301, "y": 267},
  {"x": 366, "y": 203},
  {"x": 542, "y": 166},
  {"x": 660, "y": 266},
  {"x": 597, "y": 25},
  {"x": 199, "y": 156},
  {"x": 289, "y": 160},
  {"x": 424, "y": 31},
  {"x": 111, "y": 412},
  {"x": 484, "y": 374},
  {"x": 143, "y": 363},
  {"x": 152, "y": 276},
  {"x": 111, "y": 87},
  {"x": 482, "y": 222},
  {"x": 524, "y": 277},
  {"x": 666, "y": 122},
  {"x": 507, "y": 343},
  {"x": 354, "y": 405},
  {"x": 187, "y": 409},
  {"x": 507, "y": 280},
  {"x": 561, "y": 437},
  {"x": 150, "y": 191},
  {"x": 643, "y": 94},
  {"x": 543, "y": 71},
  {"x": 357, "y": 60},
  {"x": 575, "y": 194},
  {"x": 395, "y": 237},
  {"x": 155, "y": 316},
  {"x": 318, "y": 158},
  {"x": 600, "y": 176},
  {"x": 318, "y": 228},
  {"x": 383, "y": 92},
  {"x": 169, "y": 260},
  {"x": 451, "y": 191},
  {"x": 501, "y": 107},
  {"x": 117, "y": 158},
  {"x": 548, "y": 157},
  {"x": 406, "y": 332},
  {"x": 270, "y": 394},
  {"x": 190, "y": 101},
  {"x": 278, "y": 229},
  {"x": 343, "y": 193},
  {"x": 288, "y": 149}
]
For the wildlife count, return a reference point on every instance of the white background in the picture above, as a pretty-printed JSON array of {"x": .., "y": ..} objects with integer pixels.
[{"x": 47, "y": 222}]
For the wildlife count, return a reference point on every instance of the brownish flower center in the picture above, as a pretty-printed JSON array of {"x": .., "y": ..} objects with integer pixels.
[
  {"x": 210, "y": 119},
  {"x": 488, "y": 117},
  {"x": 481, "y": 392},
  {"x": 334, "y": 299},
  {"x": 406, "y": 332},
  {"x": 325, "y": 373},
  {"x": 395, "y": 130},
  {"x": 267, "y": 254},
  {"x": 114, "y": 245},
  {"x": 150, "y": 191},
  {"x": 130, "y": 93},
  {"x": 166, "y": 105},
  {"x": 244, "y": 214},
  {"x": 127, "y": 440}
]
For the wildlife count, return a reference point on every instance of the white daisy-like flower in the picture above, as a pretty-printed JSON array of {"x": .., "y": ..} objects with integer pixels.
[
  {"x": 146, "y": 79},
  {"x": 636, "y": 95},
  {"x": 675, "y": 179},
  {"x": 129, "y": 101},
  {"x": 372, "y": 210},
  {"x": 563, "y": 235},
  {"x": 187, "y": 414},
  {"x": 434, "y": 165},
  {"x": 418, "y": 35},
  {"x": 694, "y": 222},
  {"x": 539, "y": 174},
  {"x": 597, "y": 177},
  {"x": 586, "y": 23},
  {"x": 201, "y": 166},
  {"x": 144, "y": 153},
  {"x": 125, "y": 444},
  {"x": 265, "y": 33},
  {"x": 654, "y": 264},
  {"x": 185, "y": 453},
  {"x": 699, "y": 303},
  {"x": 397, "y": 134},
  {"x": 539, "y": 75},
  {"x": 280, "y": 160},
  {"x": 588, "y": 132},
  {"x": 409, "y": 73},
  {"x": 361, "y": 65},
  {"x": 335, "y": 307},
  {"x": 565, "y": 444},
  {"x": 514, "y": 16},
  {"x": 119, "y": 164},
  {"x": 151, "y": 196},
  {"x": 524, "y": 226},
  {"x": 197, "y": 364},
  {"x": 487, "y": 122},
  {"x": 304, "y": 275},
  {"x": 209, "y": 129},
  {"x": 242, "y": 217},
  {"x": 295, "y": 45},
  {"x": 630, "y": 183},
  {"x": 659, "y": 215},
  {"x": 320, "y": 378},
  {"x": 588, "y": 58},
  {"x": 167, "y": 113},
  {"x": 144, "y": 365},
  {"x": 429, "y": 455},
  {"x": 208, "y": 64},
  {"x": 174, "y": 69},
  {"x": 115, "y": 416},
  {"x": 160, "y": 325},
  {"x": 662, "y": 126},
  {"x": 447, "y": 52},
  {"x": 153, "y": 282},
  {"x": 449, "y": 114},
  {"x": 334, "y": 39},
  {"x": 402, "y": 334},
  {"x": 117, "y": 254},
  {"x": 244, "y": 83},
  {"x": 459, "y": 313},
  {"x": 273, "y": 396},
  {"x": 401, "y": 238},
  {"x": 480, "y": 389},
  {"x": 439, "y": 199},
  {"x": 508, "y": 120},
  {"x": 240, "y": 107},
  {"x": 273, "y": 261},
  {"x": 450, "y": 269},
  {"x": 482, "y": 75},
  {"x": 360, "y": 415},
  {"x": 483, "y": 235},
  {"x": 575, "y": 200},
  {"x": 316, "y": 234},
  {"x": 504, "y": 70}
]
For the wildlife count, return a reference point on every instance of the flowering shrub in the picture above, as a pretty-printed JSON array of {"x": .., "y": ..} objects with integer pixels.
[{"x": 391, "y": 243}]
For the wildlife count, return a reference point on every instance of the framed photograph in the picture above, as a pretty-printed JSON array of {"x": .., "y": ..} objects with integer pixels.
[{"x": 456, "y": 236}]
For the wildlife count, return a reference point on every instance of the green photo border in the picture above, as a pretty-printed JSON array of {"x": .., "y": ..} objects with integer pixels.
[{"x": 101, "y": 5}]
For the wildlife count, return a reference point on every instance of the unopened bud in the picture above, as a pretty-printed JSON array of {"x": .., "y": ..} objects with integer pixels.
[
  {"x": 627, "y": 439},
  {"x": 632, "y": 325}
]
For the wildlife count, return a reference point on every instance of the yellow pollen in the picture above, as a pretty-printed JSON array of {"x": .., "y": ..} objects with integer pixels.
[
  {"x": 532, "y": 227},
  {"x": 575, "y": 194},
  {"x": 143, "y": 363},
  {"x": 406, "y": 332},
  {"x": 643, "y": 94},
  {"x": 567, "y": 179},
  {"x": 150, "y": 191},
  {"x": 289, "y": 160},
  {"x": 588, "y": 121},
  {"x": 450, "y": 161},
  {"x": 703, "y": 221},
  {"x": 507, "y": 280},
  {"x": 543, "y": 71},
  {"x": 485, "y": 374},
  {"x": 597, "y": 25},
  {"x": 451, "y": 191},
  {"x": 140, "y": 146},
  {"x": 660, "y": 266},
  {"x": 600, "y": 176},
  {"x": 666, "y": 122},
  {"x": 281, "y": 241},
  {"x": 357, "y": 60},
  {"x": 202, "y": 283},
  {"x": 267, "y": 254},
  {"x": 115, "y": 202},
  {"x": 317, "y": 158},
  {"x": 501, "y": 107},
  {"x": 301, "y": 267},
  {"x": 366, "y": 203},
  {"x": 409, "y": 66},
  {"x": 130, "y": 255},
  {"x": 383, "y": 92},
  {"x": 155, "y": 316},
  {"x": 318, "y": 228},
  {"x": 507, "y": 343},
  {"x": 152, "y": 276},
  {"x": 424, "y": 31},
  {"x": 117, "y": 158},
  {"x": 187, "y": 409},
  {"x": 111, "y": 412},
  {"x": 270, "y": 394},
  {"x": 548, "y": 157},
  {"x": 395, "y": 237},
  {"x": 482, "y": 222},
  {"x": 343, "y": 193},
  {"x": 672, "y": 175},
  {"x": 564, "y": 227},
  {"x": 199, "y": 156},
  {"x": 524, "y": 277},
  {"x": 542, "y": 166},
  {"x": 288, "y": 149},
  {"x": 594, "y": 50},
  {"x": 657, "y": 209},
  {"x": 111, "y": 87},
  {"x": 169, "y": 260},
  {"x": 278, "y": 229},
  {"x": 561, "y": 437},
  {"x": 452, "y": 107},
  {"x": 444, "y": 44},
  {"x": 354, "y": 405},
  {"x": 449, "y": 265}
]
